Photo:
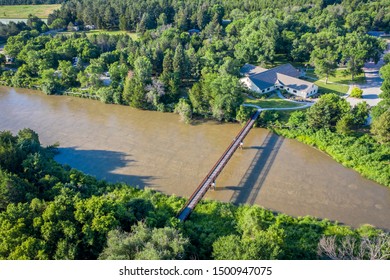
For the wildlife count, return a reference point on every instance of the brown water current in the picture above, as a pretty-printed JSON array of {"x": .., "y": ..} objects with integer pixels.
[{"x": 155, "y": 150}]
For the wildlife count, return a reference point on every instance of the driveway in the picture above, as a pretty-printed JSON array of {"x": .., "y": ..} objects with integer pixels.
[{"x": 371, "y": 89}]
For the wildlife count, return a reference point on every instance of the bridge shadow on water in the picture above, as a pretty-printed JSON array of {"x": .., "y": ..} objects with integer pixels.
[
  {"x": 251, "y": 183},
  {"x": 102, "y": 165}
]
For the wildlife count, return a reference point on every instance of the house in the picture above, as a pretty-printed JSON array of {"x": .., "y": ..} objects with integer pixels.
[
  {"x": 75, "y": 60},
  {"x": 193, "y": 31},
  {"x": 90, "y": 27},
  {"x": 285, "y": 77},
  {"x": 9, "y": 59}
]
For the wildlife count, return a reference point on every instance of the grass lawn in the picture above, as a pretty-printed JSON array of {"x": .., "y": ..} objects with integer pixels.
[
  {"x": 273, "y": 102},
  {"x": 22, "y": 11},
  {"x": 331, "y": 88},
  {"x": 341, "y": 77},
  {"x": 133, "y": 35}
]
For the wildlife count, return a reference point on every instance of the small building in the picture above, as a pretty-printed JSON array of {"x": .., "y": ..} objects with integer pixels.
[
  {"x": 285, "y": 77},
  {"x": 75, "y": 60},
  {"x": 90, "y": 27},
  {"x": 193, "y": 31},
  {"x": 9, "y": 59}
]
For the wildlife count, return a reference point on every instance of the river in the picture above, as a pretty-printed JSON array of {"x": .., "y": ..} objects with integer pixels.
[{"x": 155, "y": 150}]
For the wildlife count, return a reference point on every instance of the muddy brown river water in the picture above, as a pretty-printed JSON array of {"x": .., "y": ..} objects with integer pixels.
[{"x": 155, "y": 150}]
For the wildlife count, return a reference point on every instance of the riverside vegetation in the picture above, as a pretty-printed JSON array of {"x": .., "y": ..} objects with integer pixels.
[
  {"x": 49, "y": 211},
  {"x": 196, "y": 75},
  {"x": 53, "y": 212}
]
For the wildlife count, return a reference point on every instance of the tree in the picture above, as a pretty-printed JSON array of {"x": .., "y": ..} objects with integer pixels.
[
  {"x": 327, "y": 111},
  {"x": 168, "y": 62},
  {"x": 144, "y": 243},
  {"x": 143, "y": 70},
  {"x": 297, "y": 119},
  {"x": 355, "y": 248},
  {"x": 184, "y": 110},
  {"x": 244, "y": 113},
  {"x": 49, "y": 81},
  {"x": 14, "y": 190},
  {"x": 134, "y": 93},
  {"x": 68, "y": 77},
  {"x": 180, "y": 62},
  {"x": 200, "y": 99},
  {"x": 360, "y": 113},
  {"x": 258, "y": 41},
  {"x": 385, "y": 74},
  {"x": 226, "y": 97},
  {"x": 262, "y": 245},
  {"x": 381, "y": 127},
  {"x": 357, "y": 49},
  {"x": 354, "y": 53},
  {"x": 324, "y": 61},
  {"x": 345, "y": 124}
]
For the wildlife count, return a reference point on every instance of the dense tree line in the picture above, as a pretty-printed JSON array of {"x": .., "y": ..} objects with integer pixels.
[
  {"x": 130, "y": 15},
  {"x": 196, "y": 75},
  {"x": 167, "y": 64},
  {"x": 12, "y": 28},
  {"x": 49, "y": 211},
  {"x": 30, "y": 2}
]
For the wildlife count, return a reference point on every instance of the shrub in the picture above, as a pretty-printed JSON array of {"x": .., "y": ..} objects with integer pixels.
[{"x": 356, "y": 92}]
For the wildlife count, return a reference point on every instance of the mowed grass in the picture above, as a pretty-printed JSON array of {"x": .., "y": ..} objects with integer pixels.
[
  {"x": 273, "y": 102},
  {"x": 90, "y": 33},
  {"x": 341, "y": 77},
  {"x": 133, "y": 35},
  {"x": 23, "y": 11},
  {"x": 338, "y": 89}
]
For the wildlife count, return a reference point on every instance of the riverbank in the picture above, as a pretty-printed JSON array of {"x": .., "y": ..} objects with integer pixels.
[
  {"x": 61, "y": 213},
  {"x": 361, "y": 153},
  {"x": 155, "y": 150}
]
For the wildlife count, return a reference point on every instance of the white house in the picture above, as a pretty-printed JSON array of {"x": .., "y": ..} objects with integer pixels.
[{"x": 284, "y": 77}]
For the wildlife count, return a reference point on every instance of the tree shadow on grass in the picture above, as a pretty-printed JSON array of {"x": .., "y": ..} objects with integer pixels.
[
  {"x": 102, "y": 165},
  {"x": 251, "y": 183}
]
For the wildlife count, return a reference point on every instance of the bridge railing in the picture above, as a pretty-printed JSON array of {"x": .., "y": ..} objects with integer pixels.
[{"x": 202, "y": 184}]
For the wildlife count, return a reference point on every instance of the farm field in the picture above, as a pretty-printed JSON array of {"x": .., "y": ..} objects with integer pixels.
[{"x": 22, "y": 11}]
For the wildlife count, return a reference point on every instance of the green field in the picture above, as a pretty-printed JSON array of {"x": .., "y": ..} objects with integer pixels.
[
  {"x": 273, "y": 102},
  {"x": 339, "y": 89},
  {"x": 341, "y": 77},
  {"x": 133, "y": 35},
  {"x": 23, "y": 11}
]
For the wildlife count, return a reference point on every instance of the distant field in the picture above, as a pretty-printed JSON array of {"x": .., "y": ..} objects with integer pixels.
[
  {"x": 133, "y": 35},
  {"x": 22, "y": 11}
]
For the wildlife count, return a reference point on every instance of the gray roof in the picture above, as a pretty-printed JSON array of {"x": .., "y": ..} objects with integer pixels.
[
  {"x": 285, "y": 75},
  {"x": 250, "y": 69}
]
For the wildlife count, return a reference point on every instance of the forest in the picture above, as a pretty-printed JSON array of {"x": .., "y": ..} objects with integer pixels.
[
  {"x": 50, "y": 211},
  {"x": 196, "y": 74},
  {"x": 186, "y": 59}
]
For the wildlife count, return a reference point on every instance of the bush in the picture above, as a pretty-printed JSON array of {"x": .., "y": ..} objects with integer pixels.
[{"x": 356, "y": 92}]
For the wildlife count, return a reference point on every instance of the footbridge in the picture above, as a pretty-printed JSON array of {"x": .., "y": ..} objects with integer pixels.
[{"x": 209, "y": 180}]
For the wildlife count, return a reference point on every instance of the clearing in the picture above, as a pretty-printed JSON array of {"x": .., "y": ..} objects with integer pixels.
[{"x": 23, "y": 11}]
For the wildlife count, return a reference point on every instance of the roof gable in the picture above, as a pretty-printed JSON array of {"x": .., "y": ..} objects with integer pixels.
[{"x": 284, "y": 75}]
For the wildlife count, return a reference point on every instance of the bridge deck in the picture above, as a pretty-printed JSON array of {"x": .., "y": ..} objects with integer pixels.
[{"x": 217, "y": 168}]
